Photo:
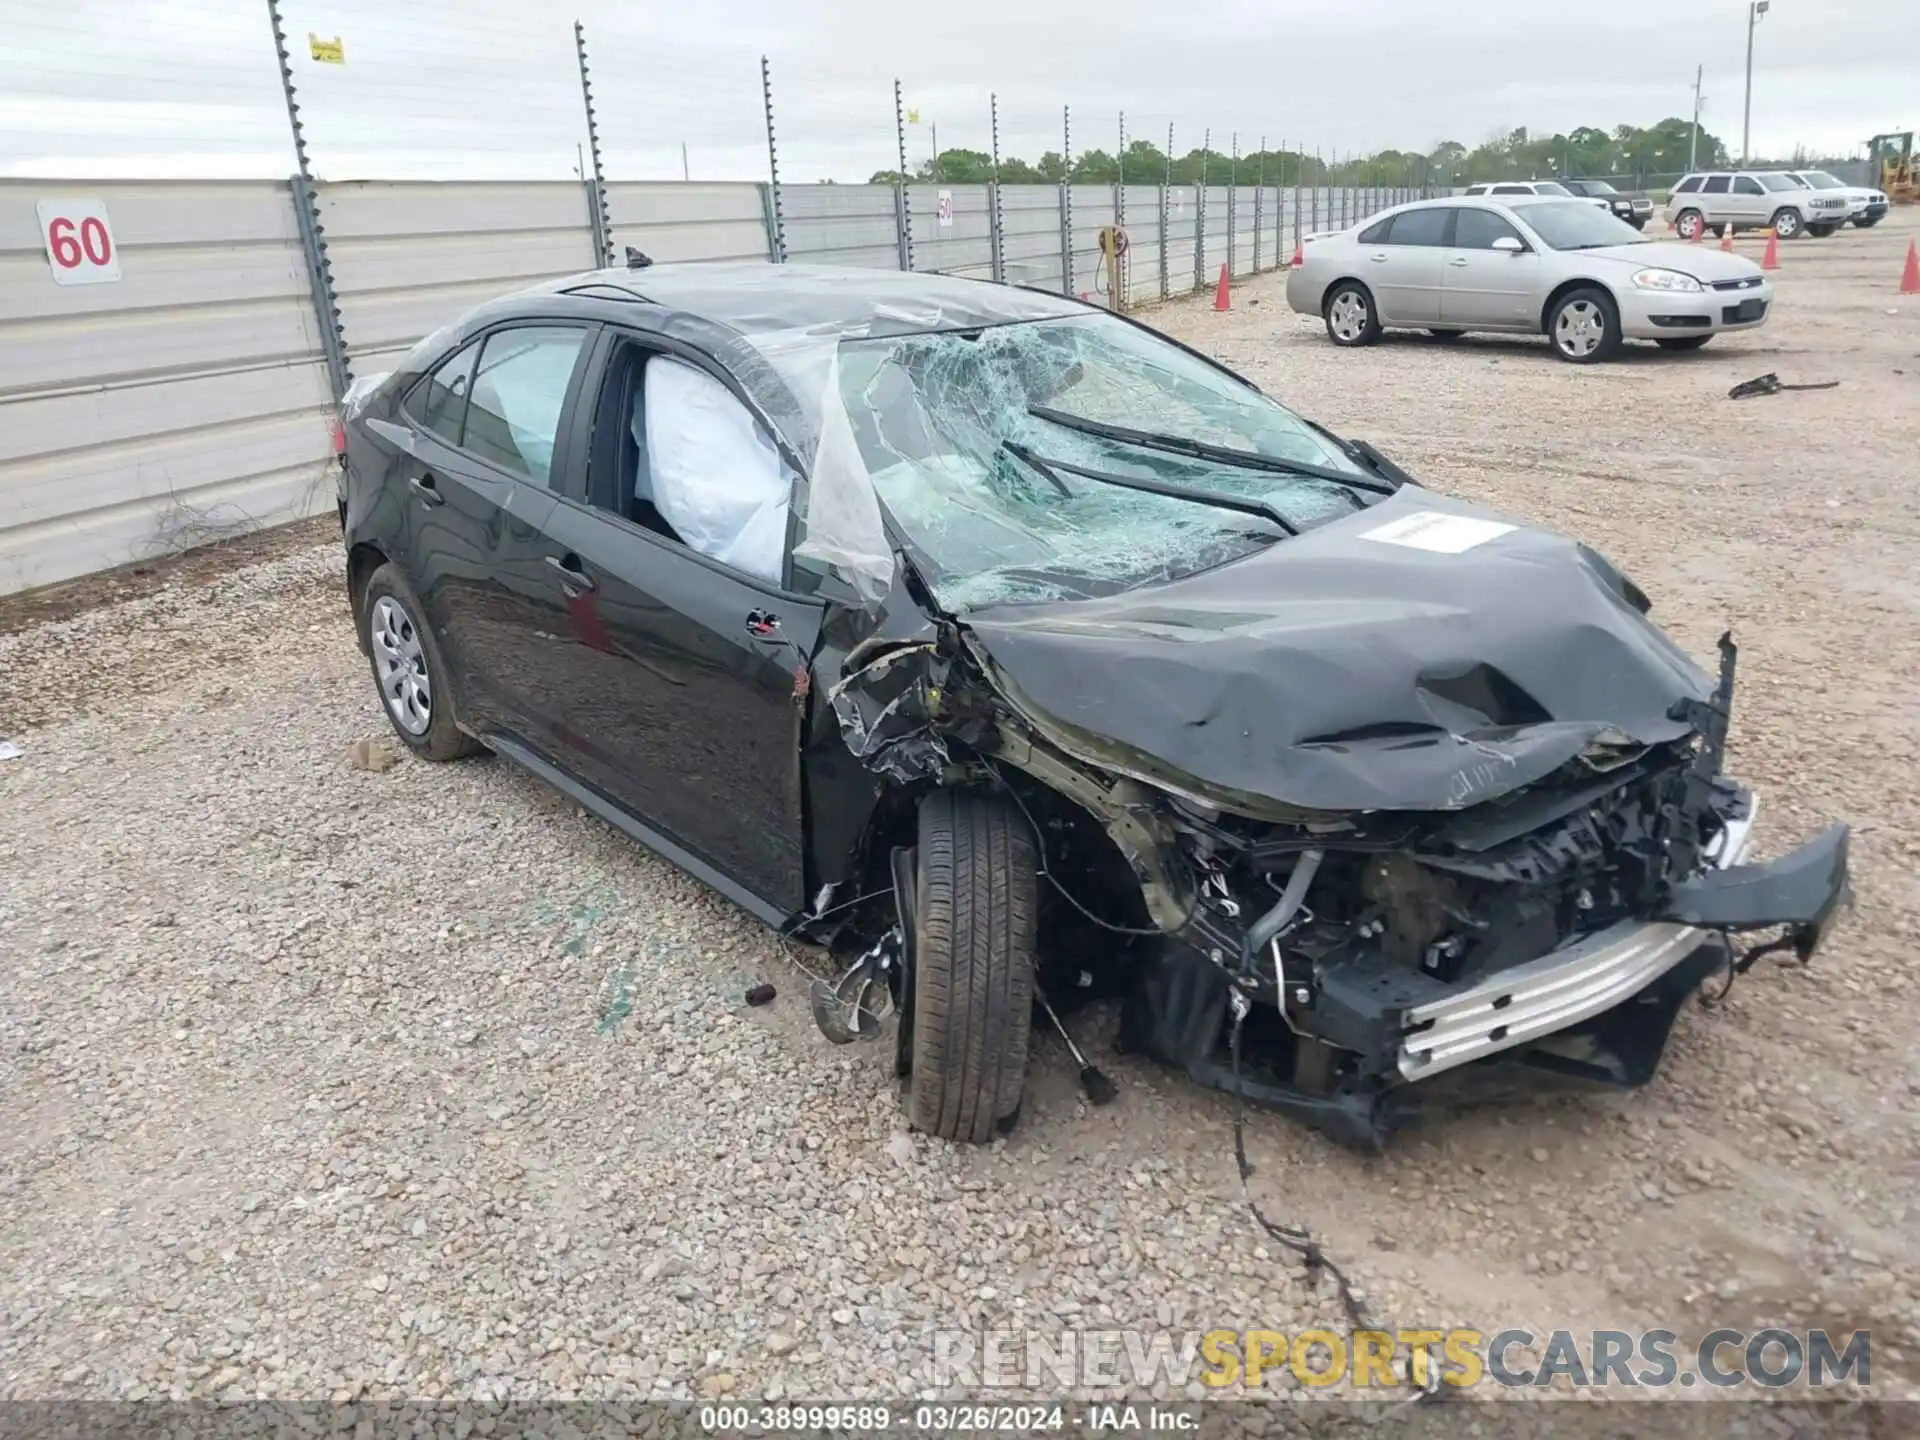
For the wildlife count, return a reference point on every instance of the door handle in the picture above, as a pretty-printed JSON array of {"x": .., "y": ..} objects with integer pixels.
[
  {"x": 1378, "y": 259},
  {"x": 1459, "y": 264},
  {"x": 423, "y": 486},
  {"x": 571, "y": 574}
]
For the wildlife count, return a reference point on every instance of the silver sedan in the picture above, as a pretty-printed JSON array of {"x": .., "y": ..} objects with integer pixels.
[{"x": 1525, "y": 265}]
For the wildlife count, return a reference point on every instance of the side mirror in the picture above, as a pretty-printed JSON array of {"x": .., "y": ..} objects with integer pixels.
[{"x": 1509, "y": 244}]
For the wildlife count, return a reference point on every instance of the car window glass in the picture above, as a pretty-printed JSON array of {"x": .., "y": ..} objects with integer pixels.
[
  {"x": 1512, "y": 190},
  {"x": 1419, "y": 227},
  {"x": 1716, "y": 185},
  {"x": 1746, "y": 185},
  {"x": 1376, "y": 233},
  {"x": 1777, "y": 183},
  {"x": 1687, "y": 186},
  {"x": 1476, "y": 189},
  {"x": 518, "y": 389},
  {"x": 439, "y": 402},
  {"x": 1478, "y": 229}
]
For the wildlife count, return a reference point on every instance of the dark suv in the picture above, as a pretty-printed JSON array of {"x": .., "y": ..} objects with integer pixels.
[{"x": 1634, "y": 207}]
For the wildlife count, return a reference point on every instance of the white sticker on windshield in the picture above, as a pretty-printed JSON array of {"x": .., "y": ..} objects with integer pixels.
[{"x": 1438, "y": 531}]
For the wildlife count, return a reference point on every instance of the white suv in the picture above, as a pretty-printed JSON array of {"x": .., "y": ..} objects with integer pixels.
[
  {"x": 1533, "y": 187},
  {"x": 1723, "y": 200}
]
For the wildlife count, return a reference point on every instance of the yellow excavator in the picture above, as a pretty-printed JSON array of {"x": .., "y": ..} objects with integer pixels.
[{"x": 1891, "y": 157}]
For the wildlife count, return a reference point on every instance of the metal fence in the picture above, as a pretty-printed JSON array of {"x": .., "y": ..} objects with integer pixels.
[{"x": 184, "y": 391}]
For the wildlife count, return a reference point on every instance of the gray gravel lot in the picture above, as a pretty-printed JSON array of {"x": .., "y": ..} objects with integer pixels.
[{"x": 328, "y": 1081}]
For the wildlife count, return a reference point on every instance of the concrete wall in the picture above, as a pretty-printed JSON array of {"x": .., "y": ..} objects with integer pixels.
[
  {"x": 190, "y": 400},
  {"x": 181, "y": 403}
]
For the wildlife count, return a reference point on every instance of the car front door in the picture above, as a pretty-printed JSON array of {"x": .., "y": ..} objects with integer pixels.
[
  {"x": 1485, "y": 288},
  {"x": 680, "y": 680},
  {"x": 1405, "y": 269}
]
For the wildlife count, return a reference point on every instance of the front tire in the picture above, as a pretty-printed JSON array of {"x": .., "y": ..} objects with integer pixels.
[
  {"x": 976, "y": 905},
  {"x": 1350, "y": 314},
  {"x": 1786, "y": 223},
  {"x": 1688, "y": 224},
  {"x": 1584, "y": 326},
  {"x": 1821, "y": 232},
  {"x": 1684, "y": 342},
  {"x": 415, "y": 691},
  {"x": 1865, "y": 224}
]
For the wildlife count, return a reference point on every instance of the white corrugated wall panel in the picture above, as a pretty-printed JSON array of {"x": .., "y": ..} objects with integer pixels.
[
  {"x": 841, "y": 225},
  {"x": 669, "y": 220},
  {"x": 411, "y": 256},
  {"x": 184, "y": 401}
]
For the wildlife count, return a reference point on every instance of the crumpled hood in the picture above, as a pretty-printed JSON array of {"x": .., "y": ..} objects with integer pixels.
[{"x": 1422, "y": 654}]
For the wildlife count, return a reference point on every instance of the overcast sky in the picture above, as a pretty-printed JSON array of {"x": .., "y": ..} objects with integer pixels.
[{"x": 478, "y": 88}]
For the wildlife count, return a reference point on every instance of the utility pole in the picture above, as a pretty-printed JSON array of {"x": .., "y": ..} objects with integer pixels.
[
  {"x": 1693, "y": 145},
  {"x": 1755, "y": 9}
]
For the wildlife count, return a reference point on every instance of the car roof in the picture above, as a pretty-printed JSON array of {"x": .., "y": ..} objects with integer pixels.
[{"x": 759, "y": 298}]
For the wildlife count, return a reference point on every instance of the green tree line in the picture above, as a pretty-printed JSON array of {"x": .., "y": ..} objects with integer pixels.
[{"x": 1516, "y": 154}]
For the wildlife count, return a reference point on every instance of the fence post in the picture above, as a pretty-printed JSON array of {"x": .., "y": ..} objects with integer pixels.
[
  {"x": 1116, "y": 272},
  {"x": 1066, "y": 200},
  {"x": 1166, "y": 217},
  {"x": 602, "y": 225},
  {"x": 1233, "y": 202},
  {"x": 996, "y": 221},
  {"x": 775, "y": 212},
  {"x": 306, "y": 212},
  {"x": 902, "y": 206},
  {"x": 320, "y": 280},
  {"x": 1200, "y": 215},
  {"x": 1259, "y": 201}
]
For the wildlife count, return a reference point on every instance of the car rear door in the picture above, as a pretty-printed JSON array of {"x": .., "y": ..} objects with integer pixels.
[
  {"x": 680, "y": 680},
  {"x": 1485, "y": 288},
  {"x": 1748, "y": 202},
  {"x": 1715, "y": 203},
  {"x": 1405, "y": 269}
]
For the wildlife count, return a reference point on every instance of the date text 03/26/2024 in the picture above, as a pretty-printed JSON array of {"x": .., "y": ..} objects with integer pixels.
[{"x": 945, "y": 1418}]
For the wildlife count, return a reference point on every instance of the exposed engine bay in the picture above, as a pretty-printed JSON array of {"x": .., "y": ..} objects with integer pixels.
[{"x": 1554, "y": 926}]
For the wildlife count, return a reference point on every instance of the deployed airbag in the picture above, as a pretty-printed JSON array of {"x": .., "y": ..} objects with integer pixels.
[{"x": 716, "y": 476}]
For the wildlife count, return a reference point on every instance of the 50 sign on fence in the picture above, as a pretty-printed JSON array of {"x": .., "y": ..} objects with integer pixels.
[{"x": 79, "y": 241}]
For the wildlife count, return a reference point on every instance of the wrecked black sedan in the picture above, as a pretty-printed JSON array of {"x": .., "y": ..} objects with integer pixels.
[{"x": 1018, "y": 654}]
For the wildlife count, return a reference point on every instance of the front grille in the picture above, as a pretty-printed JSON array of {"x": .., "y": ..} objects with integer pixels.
[{"x": 1750, "y": 282}]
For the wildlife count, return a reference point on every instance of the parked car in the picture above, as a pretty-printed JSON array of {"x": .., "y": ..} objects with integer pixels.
[
  {"x": 1723, "y": 200},
  {"x": 1524, "y": 265},
  {"x": 1008, "y": 649},
  {"x": 1865, "y": 207},
  {"x": 1529, "y": 187},
  {"x": 1633, "y": 207}
]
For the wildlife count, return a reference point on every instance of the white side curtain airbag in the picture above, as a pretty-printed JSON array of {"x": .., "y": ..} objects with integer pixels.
[{"x": 716, "y": 477}]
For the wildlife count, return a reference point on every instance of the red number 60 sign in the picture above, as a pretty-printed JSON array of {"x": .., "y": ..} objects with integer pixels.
[{"x": 80, "y": 246}]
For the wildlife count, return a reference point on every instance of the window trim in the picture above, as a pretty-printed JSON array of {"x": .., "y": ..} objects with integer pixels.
[
  {"x": 413, "y": 416},
  {"x": 563, "y": 449}
]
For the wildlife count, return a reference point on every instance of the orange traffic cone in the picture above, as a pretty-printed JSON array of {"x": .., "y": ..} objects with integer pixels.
[
  {"x": 1699, "y": 232},
  {"x": 1771, "y": 260},
  {"x": 1910, "y": 277},
  {"x": 1220, "y": 300},
  {"x": 1726, "y": 239},
  {"x": 1297, "y": 247}
]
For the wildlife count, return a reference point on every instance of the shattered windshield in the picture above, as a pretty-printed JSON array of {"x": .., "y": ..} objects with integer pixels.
[{"x": 945, "y": 427}]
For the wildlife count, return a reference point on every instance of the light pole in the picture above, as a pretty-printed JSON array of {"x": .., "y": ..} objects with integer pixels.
[
  {"x": 1693, "y": 145},
  {"x": 1755, "y": 9}
]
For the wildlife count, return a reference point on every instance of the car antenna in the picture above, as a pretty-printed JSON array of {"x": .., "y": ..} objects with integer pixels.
[{"x": 637, "y": 260}]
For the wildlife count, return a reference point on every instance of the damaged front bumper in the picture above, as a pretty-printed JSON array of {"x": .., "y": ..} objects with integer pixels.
[{"x": 1510, "y": 1009}]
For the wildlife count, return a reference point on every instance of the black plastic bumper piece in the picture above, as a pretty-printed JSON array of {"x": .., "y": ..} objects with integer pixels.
[{"x": 1800, "y": 890}]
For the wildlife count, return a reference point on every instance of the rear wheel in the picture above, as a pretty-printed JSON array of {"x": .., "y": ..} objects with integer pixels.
[
  {"x": 1584, "y": 326},
  {"x": 415, "y": 690},
  {"x": 975, "y": 906},
  {"x": 1719, "y": 230},
  {"x": 1351, "y": 317},
  {"x": 1866, "y": 224},
  {"x": 1688, "y": 224},
  {"x": 1684, "y": 342},
  {"x": 1820, "y": 232},
  {"x": 1787, "y": 223}
]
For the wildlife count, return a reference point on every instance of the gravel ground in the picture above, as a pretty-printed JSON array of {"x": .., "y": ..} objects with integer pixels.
[{"x": 325, "y": 1080}]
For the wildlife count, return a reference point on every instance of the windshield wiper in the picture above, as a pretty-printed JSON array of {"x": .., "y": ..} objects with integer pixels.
[
  {"x": 1046, "y": 465},
  {"x": 1201, "y": 450},
  {"x": 1026, "y": 457}
]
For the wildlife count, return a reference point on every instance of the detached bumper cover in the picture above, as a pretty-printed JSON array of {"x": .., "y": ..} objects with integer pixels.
[{"x": 1593, "y": 975}]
